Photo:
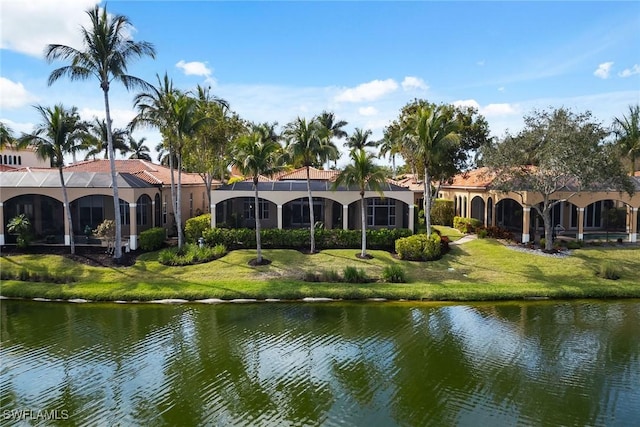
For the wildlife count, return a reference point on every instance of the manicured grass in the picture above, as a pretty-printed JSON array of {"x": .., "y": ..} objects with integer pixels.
[{"x": 482, "y": 269}]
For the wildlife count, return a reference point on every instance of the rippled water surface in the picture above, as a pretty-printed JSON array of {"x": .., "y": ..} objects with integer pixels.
[{"x": 365, "y": 364}]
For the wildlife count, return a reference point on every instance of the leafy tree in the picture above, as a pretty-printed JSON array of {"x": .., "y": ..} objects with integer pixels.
[
  {"x": 20, "y": 225},
  {"x": 557, "y": 152},
  {"x": 138, "y": 149},
  {"x": 309, "y": 144},
  {"x": 364, "y": 174},
  {"x": 106, "y": 54},
  {"x": 627, "y": 133},
  {"x": 334, "y": 127},
  {"x": 54, "y": 137},
  {"x": 256, "y": 154}
]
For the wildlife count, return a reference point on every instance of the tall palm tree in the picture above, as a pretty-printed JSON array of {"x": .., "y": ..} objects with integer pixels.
[
  {"x": 256, "y": 154},
  {"x": 431, "y": 133},
  {"x": 106, "y": 54},
  {"x": 138, "y": 149},
  {"x": 334, "y": 127},
  {"x": 308, "y": 145},
  {"x": 389, "y": 145},
  {"x": 364, "y": 174},
  {"x": 627, "y": 131},
  {"x": 6, "y": 136},
  {"x": 96, "y": 140},
  {"x": 359, "y": 139},
  {"x": 54, "y": 137}
]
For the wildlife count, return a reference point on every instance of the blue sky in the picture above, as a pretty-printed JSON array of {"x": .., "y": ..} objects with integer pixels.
[{"x": 274, "y": 61}]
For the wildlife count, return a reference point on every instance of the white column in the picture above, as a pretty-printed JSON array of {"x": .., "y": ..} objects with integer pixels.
[
  {"x": 526, "y": 218},
  {"x": 67, "y": 232},
  {"x": 1, "y": 223},
  {"x": 133, "y": 226},
  {"x": 345, "y": 217},
  {"x": 580, "y": 223},
  {"x": 633, "y": 235},
  {"x": 213, "y": 215},
  {"x": 412, "y": 209},
  {"x": 280, "y": 217}
]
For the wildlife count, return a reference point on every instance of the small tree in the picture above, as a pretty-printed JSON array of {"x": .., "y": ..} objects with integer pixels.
[
  {"x": 20, "y": 225},
  {"x": 106, "y": 230}
]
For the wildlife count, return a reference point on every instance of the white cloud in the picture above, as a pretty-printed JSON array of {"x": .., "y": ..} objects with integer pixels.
[
  {"x": 28, "y": 26},
  {"x": 368, "y": 111},
  {"x": 501, "y": 89},
  {"x": 410, "y": 82},
  {"x": 14, "y": 95},
  {"x": 367, "y": 91},
  {"x": 628, "y": 72},
  {"x": 498, "y": 110},
  {"x": 603, "y": 70},
  {"x": 467, "y": 103},
  {"x": 194, "y": 68}
]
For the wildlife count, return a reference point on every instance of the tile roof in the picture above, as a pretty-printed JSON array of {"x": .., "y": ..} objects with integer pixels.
[
  {"x": 315, "y": 174},
  {"x": 142, "y": 169},
  {"x": 476, "y": 178}
]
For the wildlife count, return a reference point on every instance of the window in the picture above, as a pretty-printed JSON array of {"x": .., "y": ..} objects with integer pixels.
[
  {"x": 90, "y": 212},
  {"x": 249, "y": 210},
  {"x": 125, "y": 218},
  {"x": 142, "y": 210},
  {"x": 381, "y": 212},
  {"x": 593, "y": 215},
  {"x": 164, "y": 210},
  {"x": 190, "y": 204},
  {"x": 20, "y": 160}
]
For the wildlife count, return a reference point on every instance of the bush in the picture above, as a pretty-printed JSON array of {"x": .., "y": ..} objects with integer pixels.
[
  {"x": 466, "y": 225},
  {"x": 394, "y": 274},
  {"x": 442, "y": 212},
  {"x": 330, "y": 276},
  {"x": 419, "y": 247},
  {"x": 574, "y": 245},
  {"x": 610, "y": 271},
  {"x": 299, "y": 238},
  {"x": 152, "y": 239},
  {"x": 190, "y": 254},
  {"x": 195, "y": 226},
  {"x": 495, "y": 232},
  {"x": 543, "y": 242},
  {"x": 354, "y": 275},
  {"x": 482, "y": 233}
]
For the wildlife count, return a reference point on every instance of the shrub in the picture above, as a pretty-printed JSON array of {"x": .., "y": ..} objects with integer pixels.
[
  {"x": 419, "y": 247},
  {"x": 190, "y": 254},
  {"x": 543, "y": 242},
  {"x": 466, "y": 225},
  {"x": 482, "y": 233},
  {"x": 152, "y": 239},
  {"x": 354, "y": 275},
  {"x": 331, "y": 276},
  {"x": 610, "y": 271},
  {"x": 574, "y": 245},
  {"x": 394, "y": 274},
  {"x": 442, "y": 212},
  {"x": 495, "y": 232},
  {"x": 195, "y": 226},
  {"x": 20, "y": 225}
]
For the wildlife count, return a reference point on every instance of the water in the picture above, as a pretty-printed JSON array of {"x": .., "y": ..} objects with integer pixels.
[{"x": 336, "y": 364}]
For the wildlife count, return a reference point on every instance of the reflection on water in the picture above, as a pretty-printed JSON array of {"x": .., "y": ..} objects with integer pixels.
[{"x": 561, "y": 363}]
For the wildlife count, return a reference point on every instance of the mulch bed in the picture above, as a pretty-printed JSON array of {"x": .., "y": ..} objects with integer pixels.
[{"x": 89, "y": 255}]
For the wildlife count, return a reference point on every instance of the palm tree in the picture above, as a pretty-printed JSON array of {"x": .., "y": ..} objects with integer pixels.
[
  {"x": 96, "y": 140},
  {"x": 256, "y": 154},
  {"x": 359, "y": 140},
  {"x": 307, "y": 145},
  {"x": 335, "y": 127},
  {"x": 107, "y": 52},
  {"x": 364, "y": 174},
  {"x": 390, "y": 146},
  {"x": 20, "y": 225},
  {"x": 53, "y": 138},
  {"x": 138, "y": 149},
  {"x": 6, "y": 136},
  {"x": 431, "y": 132},
  {"x": 627, "y": 131}
]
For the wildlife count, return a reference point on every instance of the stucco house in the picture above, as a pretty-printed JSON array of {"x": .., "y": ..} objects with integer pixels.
[
  {"x": 284, "y": 203},
  {"x": 28, "y": 186}
]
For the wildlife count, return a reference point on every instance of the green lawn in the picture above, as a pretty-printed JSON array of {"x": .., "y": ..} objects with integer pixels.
[{"x": 481, "y": 269}]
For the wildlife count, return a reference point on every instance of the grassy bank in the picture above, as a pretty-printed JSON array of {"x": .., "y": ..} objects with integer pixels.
[{"x": 476, "y": 270}]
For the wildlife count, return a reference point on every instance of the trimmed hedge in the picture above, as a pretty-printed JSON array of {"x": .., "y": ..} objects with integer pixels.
[
  {"x": 152, "y": 239},
  {"x": 442, "y": 212},
  {"x": 466, "y": 225},
  {"x": 194, "y": 227},
  {"x": 419, "y": 247},
  {"x": 298, "y": 238}
]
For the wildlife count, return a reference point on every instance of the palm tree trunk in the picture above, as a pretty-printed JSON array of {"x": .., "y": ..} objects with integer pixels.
[
  {"x": 65, "y": 199},
  {"x": 179, "y": 203},
  {"x": 311, "y": 215},
  {"x": 173, "y": 184},
  {"x": 257, "y": 218},
  {"x": 117, "y": 253},
  {"x": 363, "y": 217},
  {"x": 427, "y": 200}
]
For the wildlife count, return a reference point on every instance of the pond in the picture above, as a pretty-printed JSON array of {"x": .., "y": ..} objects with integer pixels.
[{"x": 362, "y": 364}]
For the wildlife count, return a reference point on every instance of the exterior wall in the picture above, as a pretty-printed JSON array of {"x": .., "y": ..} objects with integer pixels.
[{"x": 22, "y": 158}]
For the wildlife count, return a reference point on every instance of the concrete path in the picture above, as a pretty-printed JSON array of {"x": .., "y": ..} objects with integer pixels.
[{"x": 465, "y": 239}]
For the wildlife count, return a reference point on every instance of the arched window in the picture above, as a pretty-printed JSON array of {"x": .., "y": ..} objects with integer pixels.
[{"x": 20, "y": 160}]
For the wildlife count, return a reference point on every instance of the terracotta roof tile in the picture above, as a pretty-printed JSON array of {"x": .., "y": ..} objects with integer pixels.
[
  {"x": 147, "y": 171},
  {"x": 315, "y": 174},
  {"x": 477, "y": 178}
]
